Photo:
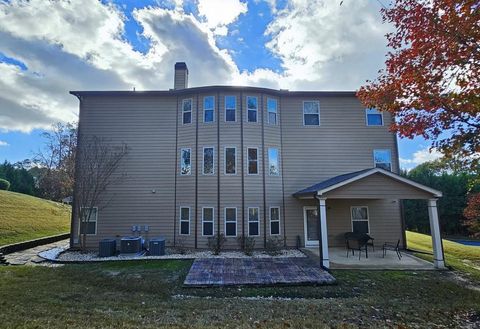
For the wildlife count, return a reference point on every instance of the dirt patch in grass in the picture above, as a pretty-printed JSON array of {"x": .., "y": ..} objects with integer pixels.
[{"x": 151, "y": 295}]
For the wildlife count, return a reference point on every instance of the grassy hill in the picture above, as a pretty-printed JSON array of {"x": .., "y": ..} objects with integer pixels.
[
  {"x": 24, "y": 217},
  {"x": 460, "y": 257}
]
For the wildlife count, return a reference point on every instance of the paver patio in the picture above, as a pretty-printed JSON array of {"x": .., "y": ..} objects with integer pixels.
[
  {"x": 30, "y": 256},
  {"x": 250, "y": 271}
]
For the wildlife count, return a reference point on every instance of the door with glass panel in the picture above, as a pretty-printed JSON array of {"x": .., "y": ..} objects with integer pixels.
[{"x": 311, "y": 226}]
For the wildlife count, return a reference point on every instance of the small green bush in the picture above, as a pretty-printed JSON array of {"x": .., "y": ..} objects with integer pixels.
[
  {"x": 247, "y": 244},
  {"x": 274, "y": 246},
  {"x": 216, "y": 243},
  {"x": 4, "y": 184}
]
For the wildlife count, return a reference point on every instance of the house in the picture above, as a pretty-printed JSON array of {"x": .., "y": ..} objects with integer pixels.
[{"x": 249, "y": 161}]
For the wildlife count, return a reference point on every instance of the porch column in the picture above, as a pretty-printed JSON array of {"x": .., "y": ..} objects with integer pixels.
[
  {"x": 438, "y": 260},
  {"x": 324, "y": 238}
]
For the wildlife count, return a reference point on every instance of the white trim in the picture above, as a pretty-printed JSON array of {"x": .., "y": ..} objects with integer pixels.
[
  {"x": 308, "y": 243},
  {"x": 225, "y": 108},
  {"x": 203, "y": 160},
  {"x": 191, "y": 110},
  {"x": 276, "y": 112},
  {"x": 225, "y": 160},
  {"x": 96, "y": 222},
  {"x": 375, "y": 163},
  {"x": 303, "y": 113},
  {"x": 270, "y": 221},
  {"x": 258, "y": 162},
  {"x": 360, "y": 220},
  {"x": 366, "y": 117},
  {"x": 189, "y": 220},
  {"x": 208, "y": 221},
  {"x": 278, "y": 161},
  {"x": 225, "y": 221},
  {"x": 213, "y": 109},
  {"x": 372, "y": 171},
  {"x": 181, "y": 153},
  {"x": 253, "y": 221},
  {"x": 247, "y": 109}
]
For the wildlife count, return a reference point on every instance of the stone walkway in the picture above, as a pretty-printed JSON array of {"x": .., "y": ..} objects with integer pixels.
[
  {"x": 30, "y": 256},
  {"x": 269, "y": 271}
]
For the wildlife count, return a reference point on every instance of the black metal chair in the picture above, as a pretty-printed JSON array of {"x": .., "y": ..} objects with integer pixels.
[
  {"x": 358, "y": 242},
  {"x": 392, "y": 247}
]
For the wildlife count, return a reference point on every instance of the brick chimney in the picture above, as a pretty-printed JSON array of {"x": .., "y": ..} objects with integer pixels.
[{"x": 180, "y": 80}]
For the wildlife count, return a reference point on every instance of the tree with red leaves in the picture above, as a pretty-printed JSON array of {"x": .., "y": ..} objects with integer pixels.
[
  {"x": 472, "y": 214},
  {"x": 431, "y": 83}
]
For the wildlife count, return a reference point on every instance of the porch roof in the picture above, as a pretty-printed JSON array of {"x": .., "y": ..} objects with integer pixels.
[{"x": 402, "y": 186}]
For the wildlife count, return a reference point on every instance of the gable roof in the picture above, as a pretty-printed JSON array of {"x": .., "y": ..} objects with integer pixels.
[{"x": 341, "y": 180}]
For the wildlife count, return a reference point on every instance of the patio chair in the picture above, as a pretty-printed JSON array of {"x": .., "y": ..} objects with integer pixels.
[
  {"x": 393, "y": 247},
  {"x": 355, "y": 242}
]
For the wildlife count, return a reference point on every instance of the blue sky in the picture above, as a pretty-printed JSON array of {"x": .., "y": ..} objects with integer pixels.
[{"x": 47, "y": 49}]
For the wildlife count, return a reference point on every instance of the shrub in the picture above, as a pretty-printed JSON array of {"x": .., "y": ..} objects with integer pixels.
[
  {"x": 216, "y": 243},
  {"x": 4, "y": 184},
  {"x": 247, "y": 244},
  {"x": 274, "y": 246},
  {"x": 180, "y": 245}
]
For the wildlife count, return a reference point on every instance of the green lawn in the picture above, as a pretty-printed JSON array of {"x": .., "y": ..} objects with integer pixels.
[
  {"x": 460, "y": 257},
  {"x": 24, "y": 217},
  {"x": 150, "y": 295}
]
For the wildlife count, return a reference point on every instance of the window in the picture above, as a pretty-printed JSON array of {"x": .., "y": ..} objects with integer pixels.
[
  {"x": 360, "y": 220},
  {"x": 207, "y": 221},
  {"x": 252, "y": 109},
  {"x": 272, "y": 111},
  {"x": 252, "y": 158},
  {"x": 230, "y": 108},
  {"x": 230, "y": 161},
  {"x": 185, "y": 162},
  {"x": 382, "y": 159},
  {"x": 374, "y": 117},
  {"x": 230, "y": 221},
  {"x": 253, "y": 222},
  {"x": 89, "y": 226},
  {"x": 184, "y": 220},
  {"x": 208, "y": 160},
  {"x": 208, "y": 109},
  {"x": 311, "y": 113},
  {"x": 187, "y": 111},
  {"x": 274, "y": 221},
  {"x": 273, "y": 162}
]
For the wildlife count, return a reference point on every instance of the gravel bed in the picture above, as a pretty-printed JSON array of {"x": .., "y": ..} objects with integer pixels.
[{"x": 77, "y": 256}]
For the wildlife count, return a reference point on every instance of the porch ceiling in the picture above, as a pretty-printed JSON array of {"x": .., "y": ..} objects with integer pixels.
[{"x": 373, "y": 183}]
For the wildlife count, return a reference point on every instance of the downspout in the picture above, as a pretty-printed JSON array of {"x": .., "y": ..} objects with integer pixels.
[
  {"x": 320, "y": 246},
  {"x": 74, "y": 203}
]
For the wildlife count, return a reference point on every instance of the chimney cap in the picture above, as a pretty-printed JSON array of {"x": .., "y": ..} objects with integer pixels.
[{"x": 181, "y": 66}]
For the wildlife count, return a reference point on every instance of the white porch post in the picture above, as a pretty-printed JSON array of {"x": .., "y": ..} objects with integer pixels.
[
  {"x": 324, "y": 237},
  {"x": 438, "y": 260}
]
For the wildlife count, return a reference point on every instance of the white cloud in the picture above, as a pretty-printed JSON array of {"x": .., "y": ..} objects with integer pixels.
[
  {"x": 220, "y": 13},
  {"x": 3, "y": 143},
  {"x": 419, "y": 157}
]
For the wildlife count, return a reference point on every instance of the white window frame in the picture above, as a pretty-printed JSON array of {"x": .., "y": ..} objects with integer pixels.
[
  {"x": 366, "y": 117},
  {"x": 80, "y": 222},
  {"x": 181, "y": 159},
  {"x": 182, "y": 220},
  {"x": 278, "y": 161},
  {"x": 208, "y": 221},
  {"x": 258, "y": 167},
  {"x": 375, "y": 162},
  {"x": 230, "y": 221},
  {"x": 270, "y": 220},
  {"x": 247, "y": 109},
  {"x": 253, "y": 221},
  {"x": 191, "y": 111},
  {"x": 213, "y": 110},
  {"x": 360, "y": 220},
  {"x": 303, "y": 113},
  {"x": 225, "y": 160},
  {"x": 276, "y": 112},
  {"x": 234, "y": 109},
  {"x": 203, "y": 161}
]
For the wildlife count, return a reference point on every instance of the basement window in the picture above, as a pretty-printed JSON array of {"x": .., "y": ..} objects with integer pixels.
[
  {"x": 184, "y": 220},
  {"x": 253, "y": 221},
  {"x": 207, "y": 221},
  {"x": 230, "y": 221}
]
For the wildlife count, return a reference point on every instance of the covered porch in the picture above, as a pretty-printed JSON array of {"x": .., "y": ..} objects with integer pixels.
[{"x": 365, "y": 202}]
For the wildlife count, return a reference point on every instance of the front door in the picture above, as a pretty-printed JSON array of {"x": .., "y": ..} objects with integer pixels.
[{"x": 311, "y": 222}]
